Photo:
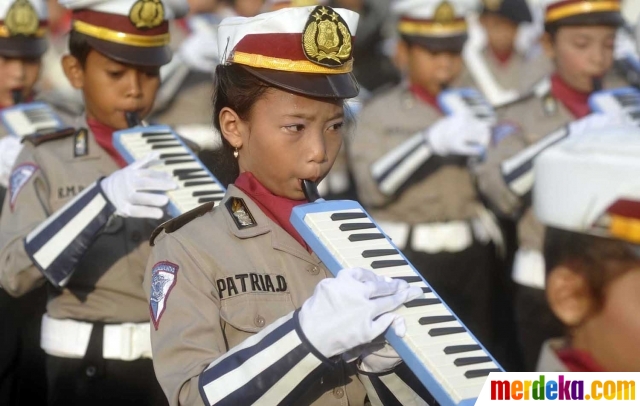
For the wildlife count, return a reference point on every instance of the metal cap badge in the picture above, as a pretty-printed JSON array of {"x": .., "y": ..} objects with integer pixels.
[
  {"x": 326, "y": 40},
  {"x": 147, "y": 14},
  {"x": 22, "y": 19}
]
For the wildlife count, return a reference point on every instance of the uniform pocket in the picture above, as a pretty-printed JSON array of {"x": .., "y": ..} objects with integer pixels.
[{"x": 253, "y": 311}]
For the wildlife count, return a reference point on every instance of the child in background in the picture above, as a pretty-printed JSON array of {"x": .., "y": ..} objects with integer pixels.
[
  {"x": 587, "y": 194},
  {"x": 77, "y": 217}
]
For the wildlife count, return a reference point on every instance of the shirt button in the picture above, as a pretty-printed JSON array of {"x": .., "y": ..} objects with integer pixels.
[
  {"x": 338, "y": 393},
  {"x": 314, "y": 270},
  {"x": 259, "y": 320},
  {"x": 136, "y": 236},
  {"x": 91, "y": 371}
]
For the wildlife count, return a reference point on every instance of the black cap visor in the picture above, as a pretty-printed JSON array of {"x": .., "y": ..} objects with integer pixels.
[
  {"x": 334, "y": 86},
  {"x": 23, "y": 47},
  {"x": 132, "y": 55},
  {"x": 453, "y": 44},
  {"x": 610, "y": 18}
]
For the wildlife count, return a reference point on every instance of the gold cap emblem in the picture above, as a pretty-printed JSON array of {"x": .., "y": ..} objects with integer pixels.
[
  {"x": 22, "y": 19},
  {"x": 147, "y": 13},
  {"x": 445, "y": 13},
  {"x": 326, "y": 40},
  {"x": 492, "y": 5}
]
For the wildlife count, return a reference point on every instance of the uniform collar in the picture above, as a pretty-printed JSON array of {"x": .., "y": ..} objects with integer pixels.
[
  {"x": 503, "y": 59},
  {"x": 558, "y": 356},
  {"x": 103, "y": 135},
  {"x": 576, "y": 101},
  {"x": 424, "y": 96},
  {"x": 280, "y": 239}
]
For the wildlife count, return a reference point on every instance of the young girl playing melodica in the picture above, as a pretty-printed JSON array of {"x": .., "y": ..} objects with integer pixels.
[{"x": 243, "y": 311}]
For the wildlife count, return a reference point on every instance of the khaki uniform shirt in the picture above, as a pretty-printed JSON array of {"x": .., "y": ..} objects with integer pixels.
[
  {"x": 3, "y": 190},
  {"x": 199, "y": 322},
  {"x": 107, "y": 283},
  {"x": 519, "y": 72},
  {"x": 444, "y": 194}
]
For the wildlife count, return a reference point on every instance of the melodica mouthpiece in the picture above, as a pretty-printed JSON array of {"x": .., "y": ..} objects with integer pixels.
[
  {"x": 16, "y": 95},
  {"x": 133, "y": 120},
  {"x": 310, "y": 190}
]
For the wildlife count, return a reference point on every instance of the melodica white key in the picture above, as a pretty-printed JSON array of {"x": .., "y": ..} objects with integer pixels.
[
  {"x": 196, "y": 184},
  {"x": 438, "y": 348},
  {"x": 625, "y": 100},
  {"x": 31, "y": 118}
]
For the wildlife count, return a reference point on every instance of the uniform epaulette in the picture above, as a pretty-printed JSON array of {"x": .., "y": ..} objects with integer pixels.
[
  {"x": 40, "y": 138},
  {"x": 175, "y": 224}
]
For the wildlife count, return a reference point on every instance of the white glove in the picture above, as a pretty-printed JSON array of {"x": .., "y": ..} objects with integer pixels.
[
  {"x": 127, "y": 189},
  {"x": 353, "y": 309},
  {"x": 379, "y": 357},
  {"x": 459, "y": 135},
  {"x": 376, "y": 357},
  {"x": 598, "y": 121},
  {"x": 10, "y": 147}
]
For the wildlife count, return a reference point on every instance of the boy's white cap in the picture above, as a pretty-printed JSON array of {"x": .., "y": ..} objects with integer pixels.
[
  {"x": 429, "y": 9},
  {"x": 590, "y": 183},
  {"x": 434, "y": 24},
  {"x": 583, "y": 12},
  {"x": 23, "y": 27},
  {"x": 172, "y": 9},
  {"x": 129, "y": 31},
  {"x": 308, "y": 50}
]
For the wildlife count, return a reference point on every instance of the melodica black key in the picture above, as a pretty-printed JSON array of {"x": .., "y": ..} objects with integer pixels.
[{"x": 196, "y": 184}]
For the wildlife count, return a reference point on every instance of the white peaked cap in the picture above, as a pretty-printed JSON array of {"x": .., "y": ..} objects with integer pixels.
[{"x": 590, "y": 183}]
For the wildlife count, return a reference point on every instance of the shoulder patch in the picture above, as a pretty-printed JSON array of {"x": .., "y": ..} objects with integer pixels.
[
  {"x": 240, "y": 213},
  {"x": 503, "y": 130},
  {"x": 19, "y": 177},
  {"x": 40, "y": 138},
  {"x": 164, "y": 276},
  {"x": 176, "y": 223}
]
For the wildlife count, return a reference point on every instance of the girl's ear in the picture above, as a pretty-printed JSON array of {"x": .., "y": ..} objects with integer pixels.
[
  {"x": 569, "y": 296},
  {"x": 73, "y": 70},
  {"x": 231, "y": 127}
]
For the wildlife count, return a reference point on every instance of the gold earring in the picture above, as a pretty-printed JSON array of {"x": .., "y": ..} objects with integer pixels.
[{"x": 235, "y": 153}]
